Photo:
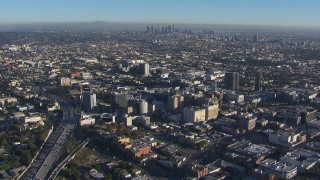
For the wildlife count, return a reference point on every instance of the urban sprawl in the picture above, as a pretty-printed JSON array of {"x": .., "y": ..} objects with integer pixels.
[{"x": 164, "y": 103}]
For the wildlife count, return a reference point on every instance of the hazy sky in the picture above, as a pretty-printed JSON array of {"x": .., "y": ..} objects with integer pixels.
[{"x": 260, "y": 12}]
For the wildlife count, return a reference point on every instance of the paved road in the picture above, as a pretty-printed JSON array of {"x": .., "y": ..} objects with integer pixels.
[
  {"x": 56, "y": 171},
  {"x": 49, "y": 154}
]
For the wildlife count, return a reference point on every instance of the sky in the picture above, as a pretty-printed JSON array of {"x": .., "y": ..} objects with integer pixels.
[{"x": 247, "y": 12}]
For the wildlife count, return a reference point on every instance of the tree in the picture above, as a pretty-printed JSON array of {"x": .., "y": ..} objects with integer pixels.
[
  {"x": 25, "y": 157},
  {"x": 4, "y": 142},
  {"x": 108, "y": 177}
]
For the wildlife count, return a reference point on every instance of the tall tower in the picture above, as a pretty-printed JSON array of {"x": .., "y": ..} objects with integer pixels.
[
  {"x": 144, "y": 69},
  {"x": 258, "y": 81},
  {"x": 89, "y": 101},
  {"x": 231, "y": 81},
  {"x": 255, "y": 38}
]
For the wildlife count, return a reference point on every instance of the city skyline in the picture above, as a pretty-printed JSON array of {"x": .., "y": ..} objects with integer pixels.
[{"x": 274, "y": 13}]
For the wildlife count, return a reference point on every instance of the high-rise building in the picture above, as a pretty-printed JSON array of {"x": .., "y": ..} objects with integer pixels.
[
  {"x": 258, "y": 81},
  {"x": 158, "y": 27},
  {"x": 169, "y": 29},
  {"x": 173, "y": 30},
  {"x": 145, "y": 69},
  {"x": 89, "y": 100},
  {"x": 119, "y": 100},
  {"x": 143, "y": 107},
  {"x": 151, "y": 29},
  {"x": 231, "y": 81},
  {"x": 175, "y": 102},
  {"x": 148, "y": 29},
  {"x": 255, "y": 38}
]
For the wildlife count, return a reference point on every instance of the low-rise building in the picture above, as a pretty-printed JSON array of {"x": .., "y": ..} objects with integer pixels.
[
  {"x": 301, "y": 158},
  {"x": 86, "y": 120},
  {"x": 279, "y": 169},
  {"x": 287, "y": 139},
  {"x": 199, "y": 171}
]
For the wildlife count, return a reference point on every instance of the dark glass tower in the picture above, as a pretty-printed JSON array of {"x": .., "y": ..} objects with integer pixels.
[
  {"x": 231, "y": 81},
  {"x": 258, "y": 81}
]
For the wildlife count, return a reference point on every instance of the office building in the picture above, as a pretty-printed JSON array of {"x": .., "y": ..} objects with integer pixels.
[
  {"x": 258, "y": 81},
  {"x": 89, "y": 101},
  {"x": 144, "y": 69},
  {"x": 232, "y": 81},
  {"x": 119, "y": 100},
  {"x": 255, "y": 38}
]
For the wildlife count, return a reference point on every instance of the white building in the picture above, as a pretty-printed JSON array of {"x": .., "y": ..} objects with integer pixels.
[{"x": 279, "y": 169}]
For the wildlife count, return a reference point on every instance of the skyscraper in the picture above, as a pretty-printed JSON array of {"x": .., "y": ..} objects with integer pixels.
[
  {"x": 119, "y": 100},
  {"x": 89, "y": 101},
  {"x": 151, "y": 29},
  {"x": 148, "y": 29},
  {"x": 231, "y": 81},
  {"x": 255, "y": 38},
  {"x": 258, "y": 81},
  {"x": 144, "y": 69}
]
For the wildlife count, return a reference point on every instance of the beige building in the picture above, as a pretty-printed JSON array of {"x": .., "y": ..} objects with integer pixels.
[
  {"x": 212, "y": 111},
  {"x": 287, "y": 139},
  {"x": 194, "y": 114},
  {"x": 175, "y": 102}
]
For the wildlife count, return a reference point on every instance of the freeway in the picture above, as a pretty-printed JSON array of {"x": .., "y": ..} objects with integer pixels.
[
  {"x": 50, "y": 152},
  {"x": 56, "y": 171}
]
